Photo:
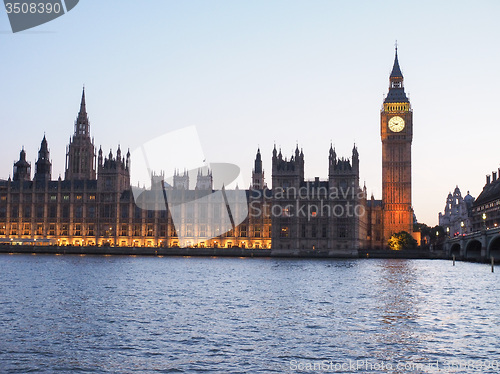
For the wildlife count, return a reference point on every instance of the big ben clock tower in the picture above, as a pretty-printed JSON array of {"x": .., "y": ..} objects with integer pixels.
[{"x": 396, "y": 131}]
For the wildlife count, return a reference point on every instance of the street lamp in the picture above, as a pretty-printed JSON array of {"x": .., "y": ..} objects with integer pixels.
[
  {"x": 462, "y": 228},
  {"x": 484, "y": 220}
]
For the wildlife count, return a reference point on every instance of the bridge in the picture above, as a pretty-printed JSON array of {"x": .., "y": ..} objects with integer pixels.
[{"x": 476, "y": 246}]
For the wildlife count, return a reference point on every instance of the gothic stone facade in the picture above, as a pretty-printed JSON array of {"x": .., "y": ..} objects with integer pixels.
[
  {"x": 96, "y": 205},
  {"x": 327, "y": 216}
]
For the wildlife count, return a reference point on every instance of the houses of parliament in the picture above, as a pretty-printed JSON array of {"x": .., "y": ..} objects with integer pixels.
[{"x": 94, "y": 205}]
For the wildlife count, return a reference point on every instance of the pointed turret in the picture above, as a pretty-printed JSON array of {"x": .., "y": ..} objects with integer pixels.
[
  {"x": 82, "y": 103},
  {"x": 43, "y": 166},
  {"x": 80, "y": 155},
  {"x": 258, "y": 172},
  {"x": 396, "y": 70},
  {"x": 22, "y": 168},
  {"x": 355, "y": 153},
  {"x": 82, "y": 126},
  {"x": 181, "y": 181},
  {"x": 355, "y": 158},
  {"x": 203, "y": 182},
  {"x": 396, "y": 89},
  {"x": 258, "y": 162},
  {"x": 99, "y": 159},
  {"x": 332, "y": 154}
]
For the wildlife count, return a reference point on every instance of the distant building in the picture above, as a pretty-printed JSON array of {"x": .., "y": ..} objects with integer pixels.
[
  {"x": 95, "y": 204},
  {"x": 457, "y": 217},
  {"x": 486, "y": 208},
  {"x": 327, "y": 215}
]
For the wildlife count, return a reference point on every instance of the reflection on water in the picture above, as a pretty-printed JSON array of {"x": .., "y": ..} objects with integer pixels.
[{"x": 123, "y": 314}]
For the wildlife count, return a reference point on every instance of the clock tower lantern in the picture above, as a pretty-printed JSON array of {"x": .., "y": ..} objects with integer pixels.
[{"x": 396, "y": 131}]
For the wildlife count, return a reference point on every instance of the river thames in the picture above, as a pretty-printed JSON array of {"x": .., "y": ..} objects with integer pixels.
[{"x": 122, "y": 314}]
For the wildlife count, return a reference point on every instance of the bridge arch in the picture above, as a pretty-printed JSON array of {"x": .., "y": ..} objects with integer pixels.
[
  {"x": 494, "y": 248},
  {"x": 473, "y": 250},
  {"x": 455, "y": 250}
]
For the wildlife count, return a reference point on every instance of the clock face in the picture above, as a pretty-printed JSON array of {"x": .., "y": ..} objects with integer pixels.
[{"x": 396, "y": 124}]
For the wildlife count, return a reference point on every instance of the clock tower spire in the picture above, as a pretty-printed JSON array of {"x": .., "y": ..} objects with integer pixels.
[
  {"x": 80, "y": 153},
  {"x": 396, "y": 130}
]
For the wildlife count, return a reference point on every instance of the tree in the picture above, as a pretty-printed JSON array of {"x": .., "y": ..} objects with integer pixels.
[
  {"x": 435, "y": 234},
  {"x": 402, "y": 240}
]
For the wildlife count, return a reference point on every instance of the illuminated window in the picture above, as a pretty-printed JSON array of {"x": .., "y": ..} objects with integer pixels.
[
  {"x": 150, "y": 230},
  {"x": 257, "y": 231},
  {"x": 284, "y": 232},
  {"x": 92, "y": 197},
  {"x": 243, "y": 231},
  {"x": 137, "y": 230}
]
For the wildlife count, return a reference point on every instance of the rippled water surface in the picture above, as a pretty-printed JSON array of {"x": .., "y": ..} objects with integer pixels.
[{"x": 173, "y": 314}]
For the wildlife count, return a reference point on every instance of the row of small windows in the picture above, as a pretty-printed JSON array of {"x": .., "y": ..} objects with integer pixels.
[
  {"x": 124, "y": 230},
  {"x": 486, "y": 206},
  {"x": 316, "y": 231},
  {"x": 399, "y": 107},
  {"x": 41, "y": 198}
]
